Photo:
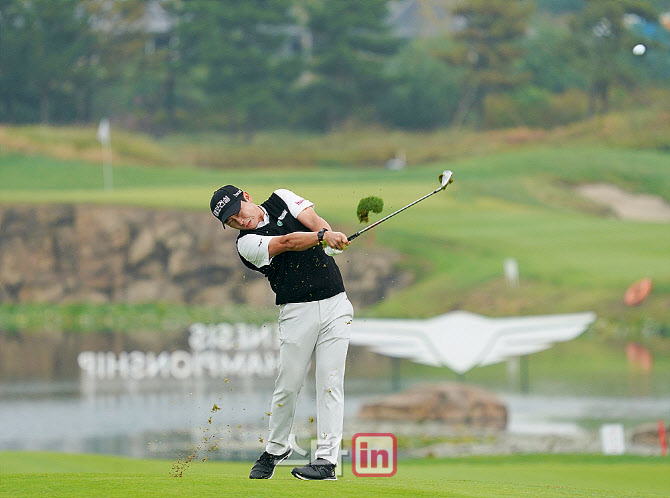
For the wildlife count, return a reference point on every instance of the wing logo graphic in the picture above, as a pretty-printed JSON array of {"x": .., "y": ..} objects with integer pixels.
[{"x": 461, "y": 340}]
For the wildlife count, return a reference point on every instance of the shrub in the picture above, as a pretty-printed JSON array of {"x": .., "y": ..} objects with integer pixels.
[{"x": 534, "y": 107}]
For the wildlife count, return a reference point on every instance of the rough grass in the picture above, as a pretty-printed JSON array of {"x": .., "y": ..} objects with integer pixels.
[
  {"x": 110, "y": 317},
  {"x": 646, "y": 128},
  {"x": 39, "y": 474}
]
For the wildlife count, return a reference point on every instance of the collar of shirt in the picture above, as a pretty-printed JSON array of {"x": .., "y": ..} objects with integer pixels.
[{"x": 266, "y": 218}]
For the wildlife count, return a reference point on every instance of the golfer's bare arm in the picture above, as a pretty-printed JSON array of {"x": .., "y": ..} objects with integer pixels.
[{"x": 301, "y": 241}]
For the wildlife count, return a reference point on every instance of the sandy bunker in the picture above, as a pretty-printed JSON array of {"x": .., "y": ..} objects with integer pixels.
[{"x": 626, "y": 205}]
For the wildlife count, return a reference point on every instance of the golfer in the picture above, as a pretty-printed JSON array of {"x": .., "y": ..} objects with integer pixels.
[{"x": 282, "y": 239}]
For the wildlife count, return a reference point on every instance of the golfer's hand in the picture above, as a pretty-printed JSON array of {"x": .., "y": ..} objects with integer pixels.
[{"x": 336, "y": 240}]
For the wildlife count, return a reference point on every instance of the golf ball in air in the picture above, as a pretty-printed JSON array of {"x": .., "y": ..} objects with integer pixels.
[{"x": 639, "y": 49}]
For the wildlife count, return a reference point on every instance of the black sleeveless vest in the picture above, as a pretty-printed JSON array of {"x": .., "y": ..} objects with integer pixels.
[{"x": 295, "y": 276}]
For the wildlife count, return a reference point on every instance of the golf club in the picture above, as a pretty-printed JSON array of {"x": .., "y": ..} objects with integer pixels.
[{"x": 445, "y": 178}]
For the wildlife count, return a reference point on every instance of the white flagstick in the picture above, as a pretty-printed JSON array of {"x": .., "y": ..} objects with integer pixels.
[{"x": 105, "y": 139}]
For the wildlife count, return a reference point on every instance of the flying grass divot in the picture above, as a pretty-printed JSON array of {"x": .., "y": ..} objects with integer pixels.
[
  {"x": 373, "y": 203},
  {"x": 209, "y": 443},
  {"x": 367, "y": 204}
]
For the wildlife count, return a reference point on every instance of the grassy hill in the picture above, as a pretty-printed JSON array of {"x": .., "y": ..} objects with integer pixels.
[{"x": 511, "y": 198}]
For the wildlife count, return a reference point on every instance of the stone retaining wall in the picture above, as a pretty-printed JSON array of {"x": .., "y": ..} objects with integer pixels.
[{"x": 90, "y": 253}]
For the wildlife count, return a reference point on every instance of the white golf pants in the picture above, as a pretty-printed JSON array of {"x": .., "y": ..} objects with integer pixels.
[{"x": 323, "y": 328}]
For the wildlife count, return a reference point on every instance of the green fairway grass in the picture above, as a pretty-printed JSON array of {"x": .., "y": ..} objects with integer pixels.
[{"x": 50, "y": 474}]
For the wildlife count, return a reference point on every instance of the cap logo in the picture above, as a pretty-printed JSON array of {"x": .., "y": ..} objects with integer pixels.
[{"x": 220, "y": 205}]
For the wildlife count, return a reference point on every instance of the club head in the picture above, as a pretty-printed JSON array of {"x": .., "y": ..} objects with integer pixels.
[{"x": 446, "y": 178}]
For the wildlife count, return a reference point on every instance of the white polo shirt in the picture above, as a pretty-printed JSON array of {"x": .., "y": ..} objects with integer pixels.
[{"x": 253, "y": 247}]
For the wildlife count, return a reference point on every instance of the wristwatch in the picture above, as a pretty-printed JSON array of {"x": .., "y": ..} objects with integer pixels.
[{"x": 321, "y": 234}]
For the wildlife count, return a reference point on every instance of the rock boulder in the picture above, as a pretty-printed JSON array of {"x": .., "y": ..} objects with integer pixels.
[{"x": 453, "y": 403}]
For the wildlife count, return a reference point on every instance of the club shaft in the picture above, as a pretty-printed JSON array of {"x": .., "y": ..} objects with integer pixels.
[{"x": 351, "y": 237}]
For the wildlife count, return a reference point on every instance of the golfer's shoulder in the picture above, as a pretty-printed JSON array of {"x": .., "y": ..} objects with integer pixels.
[
  {"x": 285, "y": 194},
  {"x": 294, "y": 201}
]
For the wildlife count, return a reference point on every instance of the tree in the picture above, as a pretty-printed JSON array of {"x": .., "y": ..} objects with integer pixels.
[
  {"x": 236, "y": 53},
  {"x": 422, "y": 92},
  {"x": 56, "y": 54},
  {"x": 550, "y": 58},
  {"x": 560, "y": 6},
  {"x": 126, "y": 79},
  {"x": 350, "y": 45},
  {"x": 16, "y": 102},
  {"x": 46, "y": 46},
  {"x": 604, "y": 42},
  {"x": 488, "y": 48}
]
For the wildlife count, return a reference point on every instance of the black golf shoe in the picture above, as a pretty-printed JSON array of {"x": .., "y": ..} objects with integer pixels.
[
  {"x": 264, "y": 468},
  {"x": 319, "y": 470}
]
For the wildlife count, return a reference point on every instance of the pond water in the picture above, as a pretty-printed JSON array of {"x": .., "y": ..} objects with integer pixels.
[{"x": 168, "y": 419}]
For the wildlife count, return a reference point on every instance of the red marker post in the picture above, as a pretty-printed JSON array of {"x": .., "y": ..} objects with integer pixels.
[{"x": 662, "y": 438}]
